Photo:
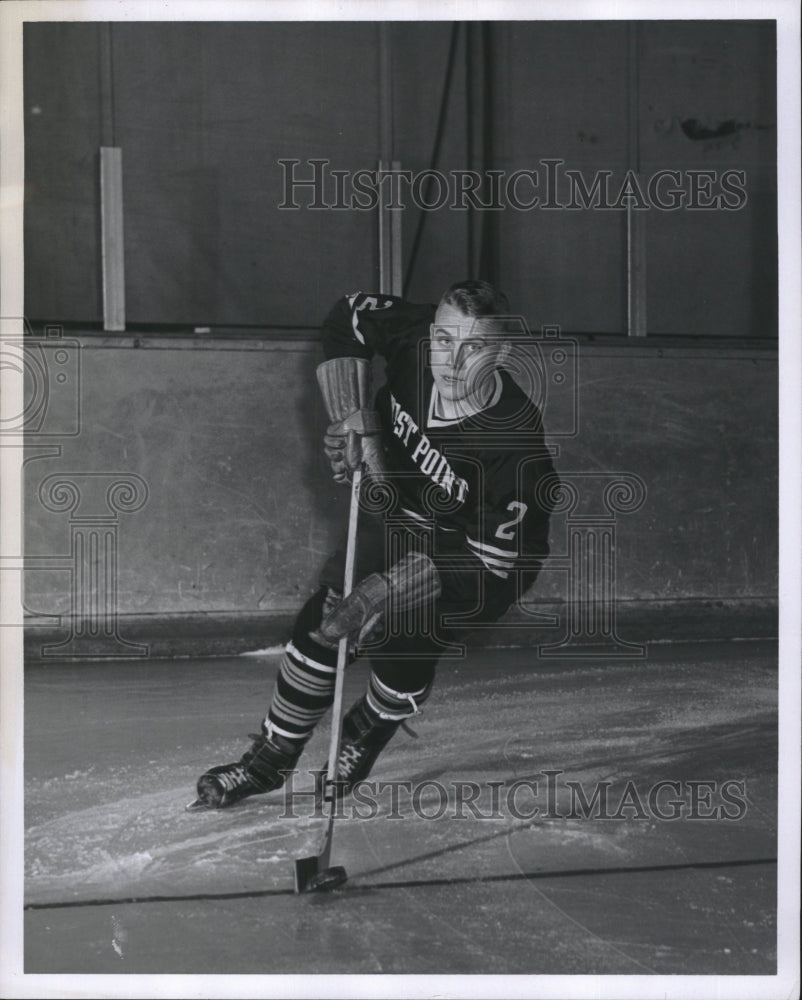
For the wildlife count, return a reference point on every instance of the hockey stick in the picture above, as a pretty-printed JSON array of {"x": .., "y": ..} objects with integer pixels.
[{"x": 314, "y": 873}]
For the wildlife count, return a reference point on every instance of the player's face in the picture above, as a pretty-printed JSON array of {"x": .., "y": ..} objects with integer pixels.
[{"x": 464, "y": 353}]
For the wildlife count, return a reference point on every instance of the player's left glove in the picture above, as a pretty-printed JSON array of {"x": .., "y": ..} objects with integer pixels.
[
  {"x": 353, "y": 438},
  {"x": 410, "y": 583},
  {"x": 354, "y": 442}
]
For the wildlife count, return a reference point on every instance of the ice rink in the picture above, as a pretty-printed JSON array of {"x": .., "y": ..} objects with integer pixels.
[{"x": 571, "y": 858}]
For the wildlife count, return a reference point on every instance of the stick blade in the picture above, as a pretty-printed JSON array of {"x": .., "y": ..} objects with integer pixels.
[{"x": 305, "y": 870}]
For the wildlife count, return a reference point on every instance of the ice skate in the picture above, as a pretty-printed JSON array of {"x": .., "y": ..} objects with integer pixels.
[
  {"x": 259, "y": 770},
  {"x": 364, "y": 735}
]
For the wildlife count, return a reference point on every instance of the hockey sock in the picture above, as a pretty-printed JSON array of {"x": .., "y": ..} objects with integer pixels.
[
  {"x": 394, "y": 705},
  {"x": 305, "y": 685}
]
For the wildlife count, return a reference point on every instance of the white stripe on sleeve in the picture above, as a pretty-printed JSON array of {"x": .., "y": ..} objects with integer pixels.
[{"x": 484, "y": 547}]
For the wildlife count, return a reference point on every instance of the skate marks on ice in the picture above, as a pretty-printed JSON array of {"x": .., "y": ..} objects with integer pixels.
[
  {"x": 586, "y": 730},
  {"x": 664, "y": 894},
  {"x": 105, "y": 797},
  {"x": 89, "y": 834},
  {"x": 554, "y": 895},
  {"x": 147, "y": 845}
]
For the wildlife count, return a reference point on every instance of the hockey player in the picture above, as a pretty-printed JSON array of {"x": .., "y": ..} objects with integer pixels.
[{"x": 457, "y": 450}]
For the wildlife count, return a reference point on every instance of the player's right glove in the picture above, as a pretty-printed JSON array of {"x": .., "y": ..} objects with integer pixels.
[{"x": 412, "y": 582}]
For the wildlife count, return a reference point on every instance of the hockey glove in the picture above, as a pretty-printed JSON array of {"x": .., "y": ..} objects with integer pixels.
[
  {"x": 353, "y": 442},
  {"x": 362, "y": 616},
  {"x": 354, "y": 435}
]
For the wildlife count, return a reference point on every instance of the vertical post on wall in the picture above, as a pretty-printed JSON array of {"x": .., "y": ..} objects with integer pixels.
[
  {"x": 386, "y": 137},
  {"x": 384, "y": 232},
  {"x": 396, "y": 267},
  {"x": 111, "y": 228},
  {"x": 636, "y": 218},
  {"x": 390, "y": 245},
  {"x": 106, "y": 64},
  {"x": 469, "y": 141},
  {"x": 489, "y": 245}
]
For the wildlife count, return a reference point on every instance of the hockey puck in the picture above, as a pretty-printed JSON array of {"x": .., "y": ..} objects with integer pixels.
[{"x": 329, "y": 878}]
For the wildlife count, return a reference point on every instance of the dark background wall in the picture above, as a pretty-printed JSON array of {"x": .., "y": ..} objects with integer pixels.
[
  {"x": 613, "y": 96},
  {"x": 224, "y": 428},
  {"x": 204, "y": 112}
]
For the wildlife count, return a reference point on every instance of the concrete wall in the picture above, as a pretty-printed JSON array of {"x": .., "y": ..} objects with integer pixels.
[{"x": 241, "y": 511}]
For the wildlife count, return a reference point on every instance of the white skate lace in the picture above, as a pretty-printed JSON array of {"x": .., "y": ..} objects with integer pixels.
[
  {"x": 232, "y": 779},
  {"x": 350, "y": 756},
  {"x": 415, "y": 711}
]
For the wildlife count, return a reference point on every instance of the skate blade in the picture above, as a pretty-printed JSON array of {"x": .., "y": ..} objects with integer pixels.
[{"x": 199, "y": 805}]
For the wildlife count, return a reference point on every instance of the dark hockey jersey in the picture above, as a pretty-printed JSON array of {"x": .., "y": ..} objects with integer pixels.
[{"x": 474, "y": 479}]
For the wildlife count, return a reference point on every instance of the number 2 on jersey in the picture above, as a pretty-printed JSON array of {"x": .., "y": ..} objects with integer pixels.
[{"x": 507, "y": 529}]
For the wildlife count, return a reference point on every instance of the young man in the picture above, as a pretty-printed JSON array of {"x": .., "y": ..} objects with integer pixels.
[{"x": 451, "y": 531}]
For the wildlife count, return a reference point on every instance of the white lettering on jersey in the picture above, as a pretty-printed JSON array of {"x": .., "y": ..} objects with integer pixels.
[
  {"x": 430, "y": 461},
  {"x": 369, "y": 302},
  {"x": 403, "y": 424}
]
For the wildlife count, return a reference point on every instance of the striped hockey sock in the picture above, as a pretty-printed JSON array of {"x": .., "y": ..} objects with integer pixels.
[{"x": 304, "y": 691}]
